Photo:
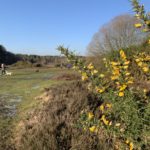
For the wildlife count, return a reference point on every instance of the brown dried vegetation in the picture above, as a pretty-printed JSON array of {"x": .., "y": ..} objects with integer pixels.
[{"x": 53, "y": 127}]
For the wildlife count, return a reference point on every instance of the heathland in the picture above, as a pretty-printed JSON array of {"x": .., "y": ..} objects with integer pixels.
[{"x": 102, "y": 105}]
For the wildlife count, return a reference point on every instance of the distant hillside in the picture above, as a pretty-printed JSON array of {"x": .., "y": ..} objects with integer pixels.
[{"x": 7, "y": 57}]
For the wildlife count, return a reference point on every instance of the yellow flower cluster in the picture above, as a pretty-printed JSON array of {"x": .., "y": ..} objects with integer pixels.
[
  {"x": 90, "y": 66},
  {"x": 120, "y": 73},
  {"x": 87, "y": 71},
  {"x": 84, "y": 76},
  {"x": 142, "y": 60},
  {"x": 144, "y": 19},
  {"x": 145, "y": 93},
  {"x": 99, "y": 89},
  {"x": 101, "y": 75},
  {"x": 92, "y": 70},
  {"x": 102, "y": 108},
  {"x": 90, "y": 115},
  {"x": 105, "y": 62},
  {"x": 92, "y": 73},
  {"x": 93, "y": 128},
  {"x": 143, "y": 26},
  {"x": 105, "y": 106},
  {"x": 105, "y": 121},
  {"x": 131, "y": 146},
  {"x": 138, "y": 25}
]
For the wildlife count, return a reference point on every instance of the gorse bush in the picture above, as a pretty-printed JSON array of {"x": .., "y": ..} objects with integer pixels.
[
  {"x": 124, "y": 109},
  {"x": 141, "y": 15}
]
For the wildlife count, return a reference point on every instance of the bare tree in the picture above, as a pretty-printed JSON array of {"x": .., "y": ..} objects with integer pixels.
[{"x": 118, "y": 33}]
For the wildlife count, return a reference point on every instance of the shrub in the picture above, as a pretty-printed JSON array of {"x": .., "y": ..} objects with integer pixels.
[
  {"x": 54, "y": 127},
  {"x": 123, "y": 112}
]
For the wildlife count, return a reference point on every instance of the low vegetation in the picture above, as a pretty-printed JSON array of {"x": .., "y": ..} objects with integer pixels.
[
  {"x": 124, "y": 100},
  {"x": 109, "y": 110},
  {"x": 17, "y": 97},
  {"x": 123, "y": 90},
  {"x": 55, "y": 127}
]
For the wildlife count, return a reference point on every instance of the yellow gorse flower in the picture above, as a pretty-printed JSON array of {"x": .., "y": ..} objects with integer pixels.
[
  {"x": 117, "y": 83},
  {"x": 148, "y": 22},
  {"x": 123, "y": 87},
  {"x": 127, "y": 73},
  {"x": 114, "y": 77},
  {"x": 126, "y": 62},
  {"x": 116, "y": 71},
  {"x": 101, "y": 107},
  {"x": 145, "y": 30},
  {"x": 145, "y": 90},
  {"x": 94, "y": 72},
  {"x": 138, "y": 25},
  {"x": 130, "y": 82},
  {"x": 137, "y": 16},
  {"x": 142, "y": 60},
  {"x": 137, "y": 60},
  {"x": 90, "y": 115},
  {"x": 101, "y": 75},
  {"x": 100, "y": 90},
  {"x": 114, "y": 63},
  {"x": 131, "y": 146},
  {"x": 74, "y": 67},
  {"x": 93, "y": 129},
  {"x": 108, "y": 105},
  {"x": 140, "y": 64},
  {"x": 117, "y": 124},
  {"x": 121, "y": 94},
  {"x": 106, "y": 122},
  {"x": 127, "y": 141},
  {"x": 145, "y": 69},
  {"x": 125, "y": 67},
  {"x": 122, "y": 54},
  {"x": 84, "y": 76},
  {"x": 90, "y": 66}
]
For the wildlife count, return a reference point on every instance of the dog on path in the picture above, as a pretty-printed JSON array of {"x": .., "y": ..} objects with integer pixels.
[{"x": 8, "y": 73}]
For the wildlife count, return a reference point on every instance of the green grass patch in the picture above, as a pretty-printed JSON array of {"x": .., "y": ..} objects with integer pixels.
[{"x": 18, "y": 92}]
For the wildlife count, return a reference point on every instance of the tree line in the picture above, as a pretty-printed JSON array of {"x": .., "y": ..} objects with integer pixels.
[{"x": 9, "y": 58}]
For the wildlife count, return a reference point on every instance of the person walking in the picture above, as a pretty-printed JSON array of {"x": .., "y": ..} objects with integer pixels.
[{"x": 3, "y": 69}]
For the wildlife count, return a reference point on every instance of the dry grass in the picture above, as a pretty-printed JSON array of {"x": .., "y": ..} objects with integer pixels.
[
  {"x": 68, "y": 76},
  {"x": 54, "y": 126}
]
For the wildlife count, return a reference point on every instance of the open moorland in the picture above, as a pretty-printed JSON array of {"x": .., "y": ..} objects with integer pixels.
[
  {"x": 18, "y": 92},
  {"x": 100, "y": 101}
]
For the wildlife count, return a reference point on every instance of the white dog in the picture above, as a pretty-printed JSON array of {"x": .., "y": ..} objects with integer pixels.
[{"x": 8, "y": 73}]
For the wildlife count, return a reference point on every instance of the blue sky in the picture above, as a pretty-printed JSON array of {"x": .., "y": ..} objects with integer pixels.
[{"x": 39, "y": 26}]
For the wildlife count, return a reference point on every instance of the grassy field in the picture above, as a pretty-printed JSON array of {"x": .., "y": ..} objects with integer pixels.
[{"x": 17, "y": 96}]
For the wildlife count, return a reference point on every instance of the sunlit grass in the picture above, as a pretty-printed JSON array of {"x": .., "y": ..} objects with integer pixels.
[{"x": 25, "y": 84}]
